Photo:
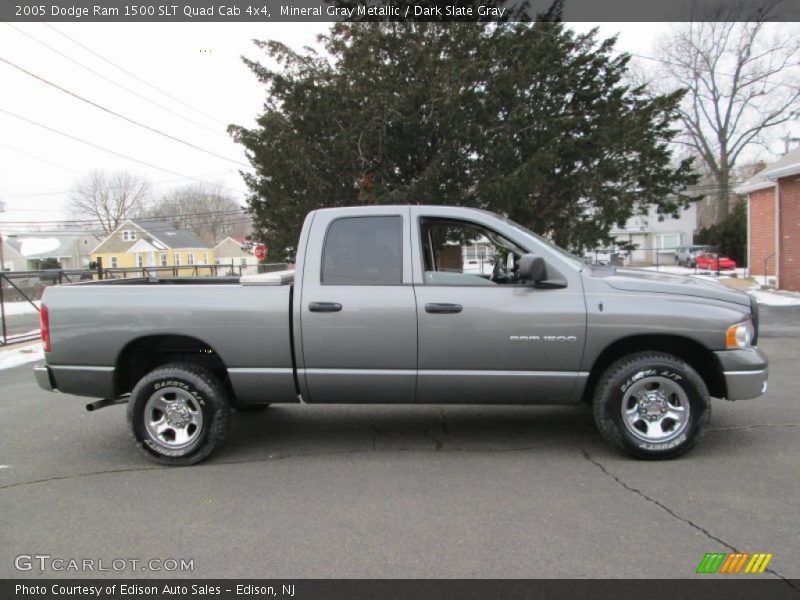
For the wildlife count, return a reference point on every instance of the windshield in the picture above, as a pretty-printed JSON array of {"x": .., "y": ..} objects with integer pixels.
[{"x": 573, "y": 260}]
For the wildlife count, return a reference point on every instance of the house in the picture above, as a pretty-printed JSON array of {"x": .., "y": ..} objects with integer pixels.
[
  {"x": 27, "y": 251},
  {"x": 773, "y": 221},
  {"x": 656, "y": 240},
  {"x": 235, "y": 251},
  {"x": 152, "y": 243}
]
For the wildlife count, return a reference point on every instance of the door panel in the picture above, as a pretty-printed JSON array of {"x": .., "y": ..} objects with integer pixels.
[
  {"x": 484, "y": 336},
  {"x": 357, "y": 312},
  {"x": 365, "y": 352},
  {"x": 507, "y": 345}
]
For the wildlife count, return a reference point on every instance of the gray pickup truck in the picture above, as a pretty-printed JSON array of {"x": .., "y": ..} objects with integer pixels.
[{"x": 407, "y": 304}]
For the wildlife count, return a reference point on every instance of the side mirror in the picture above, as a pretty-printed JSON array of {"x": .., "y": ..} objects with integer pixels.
[{"x": 532, "y": 268}]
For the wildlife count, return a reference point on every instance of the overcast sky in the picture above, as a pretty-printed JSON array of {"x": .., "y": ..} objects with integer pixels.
[{"x": 198, "y": 64}]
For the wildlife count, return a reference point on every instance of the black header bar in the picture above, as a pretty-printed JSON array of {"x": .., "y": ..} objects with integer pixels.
[{"x": 391, "y": 10}]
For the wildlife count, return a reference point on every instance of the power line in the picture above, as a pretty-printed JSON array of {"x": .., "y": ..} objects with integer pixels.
[
  {"x": 120, "y": 85},
  {"x": 163, "y": 223},
  {"x": 112, "y": 187},
  {"x": 140, "y": 79},
  {"x": 121, "y": 116},
  {"x": 31, "y": 232},
  {"x": 93, "y": 145},
  {"x": 38, "y": 158},
  {"x": 225, "y": 212}
]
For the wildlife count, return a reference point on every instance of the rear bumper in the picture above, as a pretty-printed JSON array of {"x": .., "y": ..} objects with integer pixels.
[
  {"x": 43, "y": 377},
  {"x": 78, "y": 380},
  {"x": 745, "y": 373}
]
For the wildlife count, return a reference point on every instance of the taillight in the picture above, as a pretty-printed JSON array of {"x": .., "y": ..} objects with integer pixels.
[{"x": 44, "y": 320}]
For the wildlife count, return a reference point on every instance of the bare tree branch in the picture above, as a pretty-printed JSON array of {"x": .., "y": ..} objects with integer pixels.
[
  {"x": 107, "y": 200},
  {"x": 742, "y": 77},
  {"x": 206, "y": 209}
]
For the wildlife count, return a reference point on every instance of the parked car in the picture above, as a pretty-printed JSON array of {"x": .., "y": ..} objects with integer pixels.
[
  {"x": 686, "y": 255},
  {"x": 606, "y": 256},
  {"x": 381, "y": 309},
  {"x": 714, "y": 262}
]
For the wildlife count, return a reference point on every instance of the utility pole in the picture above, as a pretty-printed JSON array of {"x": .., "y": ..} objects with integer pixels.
[{"x": 2, "y": 270}]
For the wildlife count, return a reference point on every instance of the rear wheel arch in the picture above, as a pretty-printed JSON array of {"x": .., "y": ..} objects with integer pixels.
[
  {"x": 700, "y": 358},
  {"x": 142, "y": 355}
]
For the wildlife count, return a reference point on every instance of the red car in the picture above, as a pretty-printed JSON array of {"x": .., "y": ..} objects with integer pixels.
[{"x": 713, "y": 262}]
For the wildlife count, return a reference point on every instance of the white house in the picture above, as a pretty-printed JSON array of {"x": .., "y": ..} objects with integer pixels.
[{"x": 657, "y": 236}]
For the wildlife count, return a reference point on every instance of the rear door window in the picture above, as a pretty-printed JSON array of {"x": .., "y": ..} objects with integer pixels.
[{"x": 363, "y": 251}]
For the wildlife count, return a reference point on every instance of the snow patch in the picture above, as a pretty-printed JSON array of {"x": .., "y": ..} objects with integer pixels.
[
  {"x": 20, "y": 308},
  {"x": 32, "y": 246},
  {"x": 773, "y": 298},
  {"x": 21, "y": 356},
  {"x": 677, "y": 270}
]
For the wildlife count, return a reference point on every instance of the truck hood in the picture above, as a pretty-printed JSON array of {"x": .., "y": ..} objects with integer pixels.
[{"x": 639, "y": 280}]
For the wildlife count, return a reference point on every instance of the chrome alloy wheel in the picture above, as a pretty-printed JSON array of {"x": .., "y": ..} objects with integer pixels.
[
  {"x": 655, "y": 409},
  {"x": 173, "y": 418}
]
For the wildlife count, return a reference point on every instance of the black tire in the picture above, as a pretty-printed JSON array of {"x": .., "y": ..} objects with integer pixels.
[
  {"x": 249, "y": 408},
  {"x": 204, "y": 401},
  {"x": 662, "y": 375}
]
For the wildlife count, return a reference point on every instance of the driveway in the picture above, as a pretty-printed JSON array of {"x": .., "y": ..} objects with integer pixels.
[{"x": 408, "y": 491}]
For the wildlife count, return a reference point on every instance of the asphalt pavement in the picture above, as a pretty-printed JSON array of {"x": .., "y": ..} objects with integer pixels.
[{"x": 405, "y": 491}]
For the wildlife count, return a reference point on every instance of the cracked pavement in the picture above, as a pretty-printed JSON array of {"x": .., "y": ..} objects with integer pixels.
[{"x": 407, "y": 491}]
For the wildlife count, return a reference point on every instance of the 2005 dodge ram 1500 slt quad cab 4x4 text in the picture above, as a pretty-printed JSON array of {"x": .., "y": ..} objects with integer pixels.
[{"x": 407, "y": 304}]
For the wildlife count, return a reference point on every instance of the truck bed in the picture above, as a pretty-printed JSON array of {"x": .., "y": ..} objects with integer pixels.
[{"x": 92, "y": 325}]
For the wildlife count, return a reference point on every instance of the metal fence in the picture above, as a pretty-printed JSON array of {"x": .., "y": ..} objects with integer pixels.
[
  {"x": 659, "y": 258},
  {"x": 21, "y": 291}
]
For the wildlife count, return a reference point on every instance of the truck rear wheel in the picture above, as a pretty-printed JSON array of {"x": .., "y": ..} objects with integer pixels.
[
  {"x": 651, "y": 405},
  {"x": 179, "y": 414}
]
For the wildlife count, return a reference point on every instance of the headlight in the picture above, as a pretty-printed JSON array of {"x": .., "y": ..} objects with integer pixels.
[{"x": 739, "y": 335}]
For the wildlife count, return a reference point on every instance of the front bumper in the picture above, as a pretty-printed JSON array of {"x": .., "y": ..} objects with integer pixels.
[
  {"x": 745, "y": 372},
  {"x": 43, "y": 377}
]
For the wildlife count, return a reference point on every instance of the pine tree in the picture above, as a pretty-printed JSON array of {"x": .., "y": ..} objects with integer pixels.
[{"x": 531, "y": 120}]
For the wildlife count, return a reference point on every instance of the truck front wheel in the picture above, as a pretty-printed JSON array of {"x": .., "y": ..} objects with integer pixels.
[
  {"x": 179, "y": 414},
  {"x": 651, "y": 405}
]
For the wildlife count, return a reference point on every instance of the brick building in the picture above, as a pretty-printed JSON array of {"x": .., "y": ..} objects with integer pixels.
[{"x": 773, "y": 229}]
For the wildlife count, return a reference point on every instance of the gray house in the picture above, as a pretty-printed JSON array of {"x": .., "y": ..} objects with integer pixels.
[
  {"x": 236, "y": 251},
  {"x": 26, "y": 251}
]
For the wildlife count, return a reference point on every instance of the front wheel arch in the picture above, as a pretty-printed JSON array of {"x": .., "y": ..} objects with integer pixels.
[{"x": 700, "y": 358}]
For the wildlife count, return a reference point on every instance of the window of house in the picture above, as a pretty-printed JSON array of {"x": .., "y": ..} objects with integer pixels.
[
  {"x": 139, "y": 260},
  {"x": 163, "y": 259},
  {"x": 363, "y": 251},
  {"x": 114, "y": 262},
  {"x": 205, "y": 258},
  {"x": 668, "y": 241},
  {"x": 190, "y": 258},
  {"x": 129, "y": 235},
  {"x": 176, "y": 259}
]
